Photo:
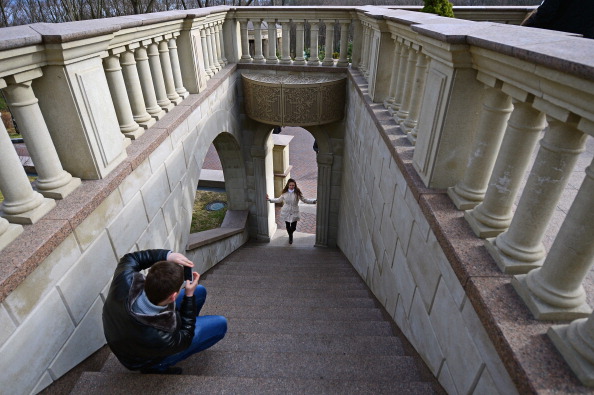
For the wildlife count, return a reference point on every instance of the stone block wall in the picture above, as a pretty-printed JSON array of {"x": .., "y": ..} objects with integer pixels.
[
  {"x": 52, "y": 320},
  {"x": 384, "y": 233}
]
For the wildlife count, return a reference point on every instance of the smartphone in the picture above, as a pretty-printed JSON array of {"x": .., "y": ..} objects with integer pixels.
[{"x": 188, "y": 273}]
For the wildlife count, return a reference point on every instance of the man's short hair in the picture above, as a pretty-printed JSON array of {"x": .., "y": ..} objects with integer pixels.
[{"x": 163, "y": 279}]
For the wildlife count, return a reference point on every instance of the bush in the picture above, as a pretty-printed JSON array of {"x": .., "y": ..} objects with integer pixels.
[{"x": 439, "y": 7}]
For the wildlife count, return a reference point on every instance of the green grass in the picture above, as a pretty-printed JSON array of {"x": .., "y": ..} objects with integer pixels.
[{"x": 203, "y": 219}]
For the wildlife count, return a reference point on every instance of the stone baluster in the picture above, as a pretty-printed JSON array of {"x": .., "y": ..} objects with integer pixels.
[
  {"x": 271, "y": 58},
  {"x": 323, "y": 199},
  {"x": 258, "y": 56},
  {"x": 21, "y": 203},
  {"x": 222, "y": 43},
  {"x": 329, "y": 46},
  {"x": 53, "y": 181},
  {"x": 394, "y": 77},
  {"x": 176, "y": 69},
  {"x": 146, "y": 83},
  {"x": 157, "y": 77},
  {"x": 470, "y": 191},
  {"x": 207, "y": 66},
  {"x": 299, "y": 39},
  {"x": 286, "y": 42},
  {"x": 211, "y": 50},
  {"x": 117, "y": 89},
  {"x": 575, "y": 342},
  {"x": 520, "y": 249},
  {"x": 399, "y": 89},
  {"x": 407, "y": 90},
  {"x": 134, "y": 89},
  {"x": 494, "y": 214},
  {"x": 555, "y": 291},
  {"x": 245, "y": 43},
  {"x": 314, "y": 51},
  {"x": 218, "y": 44},
  {"x": 167, "y": 70},
  {"x": 365, "y": 50},
  {"x": 344, "y": 43},
  {"x": 418, "y": 89}
]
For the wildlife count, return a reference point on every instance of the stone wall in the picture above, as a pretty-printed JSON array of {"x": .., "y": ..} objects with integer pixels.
[
  {"x": 385, "y": 234},
  {"x": 52, "y": 320}
]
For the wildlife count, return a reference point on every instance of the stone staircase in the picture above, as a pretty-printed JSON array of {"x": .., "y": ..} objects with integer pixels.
[{"x": 301, "y": 321}]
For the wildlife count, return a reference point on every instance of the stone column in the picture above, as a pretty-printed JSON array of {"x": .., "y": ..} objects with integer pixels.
[
  {"x": 299, "y": 38},
  {"x": 21, "y": 203},
  {"x": 365, "y": 50},
  {"x": 407, "y": 90},
  {"x": 134, "y": 89},
  {"x": 575, "y": 342},
  {"x": 176, "y": 69},
  {"x": 555, "y": 291},
  {"x": 494, "y": 214},
  {"x": 402, "y": 71},
  {"x": 344, "y": 44},
  {"x": 258, "y": 56},
  {"x": 146, "y": 83},
  {"x": 210, "y": 50},
  {"x": 157, "y": 74},
  {"x": 117, "y": 89},
  {"x": 314, "y": 51},
  {"x": 218, "y": 44},
  {"x": 329, "y": 46},
  {"x": 262, "y": 205},
  {"x": 323, "y": 198},
  {"x": 286, "y": 42},
  {"x": 222, "y": 43},
  {"x": 168, "y": 73},
  {"x": 271, "y": 58},
  {"x": 208, "y": 69},
  {"x": 53, "y": 181},
  {"x": 418, "y": 89},
  {"x": 394, "y": 78},
  {"x": 470, "y": 191},
  {"x": 520, "y": 249},
  {"x": 245, "y": 42}
]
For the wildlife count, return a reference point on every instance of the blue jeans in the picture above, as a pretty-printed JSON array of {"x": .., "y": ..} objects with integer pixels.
[{"x": 209, "y": 330}]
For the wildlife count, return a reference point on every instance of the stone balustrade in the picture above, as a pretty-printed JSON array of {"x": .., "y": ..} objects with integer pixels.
[{"x": 473, "y": 98}]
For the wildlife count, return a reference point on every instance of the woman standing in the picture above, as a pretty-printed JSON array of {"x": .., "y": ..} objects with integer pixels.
[{"x": 290, "y": 197}]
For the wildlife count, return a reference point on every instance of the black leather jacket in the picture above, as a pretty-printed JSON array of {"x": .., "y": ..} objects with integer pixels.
[{"x": 137, "y": 340}]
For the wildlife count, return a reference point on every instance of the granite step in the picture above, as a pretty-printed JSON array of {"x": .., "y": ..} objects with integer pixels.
[
  {"x": 219, "y": 292},
  {"x": 296, "y": 313},
  {"x": 289, "y": 301}
]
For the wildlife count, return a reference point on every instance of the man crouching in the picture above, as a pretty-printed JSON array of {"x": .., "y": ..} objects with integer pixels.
[{"x": 149, "y": 323}]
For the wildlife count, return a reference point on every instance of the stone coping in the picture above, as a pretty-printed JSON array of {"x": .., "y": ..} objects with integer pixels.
[
  {"x": 528, "y": 354},
  {"x": 234, "y": 222},
  {"x": 21, "y": 257}
]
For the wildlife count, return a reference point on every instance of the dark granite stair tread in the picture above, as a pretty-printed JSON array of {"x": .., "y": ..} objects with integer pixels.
[
  {"x": 297, "y": 300},
  {"x": 217, "y": 293},
  {"x": 306, "y": 270},
  {"x": 296, "y": 313},
  {"x": 272, "y": 325},
  {"x": 95, "y": 383},
  {"x": 267, "y": 284}
]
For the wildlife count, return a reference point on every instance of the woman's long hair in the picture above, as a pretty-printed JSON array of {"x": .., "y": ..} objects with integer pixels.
[{"x": 297, "y": 190}]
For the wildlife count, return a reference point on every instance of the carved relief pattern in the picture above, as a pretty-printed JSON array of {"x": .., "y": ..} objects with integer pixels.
[
  {"x": 266, "y": 104},
  {"x": 332, "y": 99},
  {"x": 300, "y": 105}
]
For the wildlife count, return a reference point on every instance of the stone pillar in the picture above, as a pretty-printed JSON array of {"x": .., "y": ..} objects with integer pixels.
[
  {"x": 168, "y": 73},
  {"x": 329, "y": 46},
  {"x": 21, "y": 203},
  {"x": 211, "y": 49},
  {"x": 208, "y": 69},
  {"x": 258, "y": 56},
  {"x": 323, "y": 198},
  {"x": 262, "y": 205},
  {"x": 470, "y": 191},
  {"x": 271, "y": 58},
  {"x": 418, "y": 89},
  {"x": 157, "y": 74},
  {"x": 389, "y": 102},
  {"x": 146, "y": 83},
  {"x": 53, "y": 181},
  {"x": 555, "y": 291},
  {"x": 520, "y": 249},
  {"x": 176, "y": 70},
  {"x": 575, "y": 342},
  {"x": 344, "y": 44},
  {"x": 245, "y": 42},
  {"x": 299, "y": 38},
  {"x": 286, "y": 42},
  {"x": 222, "y": 43},
  {"x": 494, "y": 214},
  {"x": 314, "y": 51},
  {"x": 134, "y": 89},
  {"x": 117, "y": 89},
  {"x": 218, "y": 44},
  {"x": 364, "y": 50},
  {"x": 191, "y": 56},
  {"x": 399, "y": 89},
  {"x": 407, "y": 91}
]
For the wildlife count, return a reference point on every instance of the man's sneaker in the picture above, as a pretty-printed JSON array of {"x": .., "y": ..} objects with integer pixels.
[{"x": 169, "y": 370}]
